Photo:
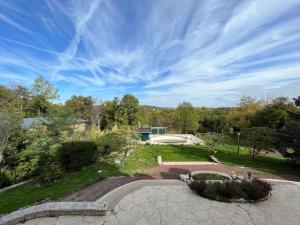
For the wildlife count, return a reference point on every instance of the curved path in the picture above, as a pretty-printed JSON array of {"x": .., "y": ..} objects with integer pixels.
[
  {"x": 97, "y": 190},
  {"x": 174, "y": 203},
  {"x": 172, "y": 171}
]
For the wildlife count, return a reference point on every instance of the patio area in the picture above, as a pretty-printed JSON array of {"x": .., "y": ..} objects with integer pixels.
[{"x": 175, "y": 203}]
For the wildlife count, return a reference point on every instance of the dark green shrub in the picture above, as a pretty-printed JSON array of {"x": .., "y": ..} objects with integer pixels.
[
  {"x": 49, "y": 173},
  {"x": 198, "y": 186},
  {"x": 209, "y": 176},
  {"x": 76, "y": 154},
  {"x": 109, "y": 143},
  {"x": 4, "y": 181},
  {"x": 230, "y": 190},
  {"x": 114, "y": 141},
  {"x": 257, "y": 189}
]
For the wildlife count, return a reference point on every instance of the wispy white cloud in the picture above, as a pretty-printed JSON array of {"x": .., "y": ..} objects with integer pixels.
[
  {"x": 208, "y": 52},
  {"x": 14, "y": 23}
]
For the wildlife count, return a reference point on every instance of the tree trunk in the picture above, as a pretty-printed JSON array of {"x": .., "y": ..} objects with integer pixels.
[{"x": 253, "y": 152}]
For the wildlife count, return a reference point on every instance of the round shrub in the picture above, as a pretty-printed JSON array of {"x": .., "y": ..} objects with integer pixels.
[
  {"x": 49, "y": 173},
  {"x": 75, "y": 155},
  {"x": 232, "y": 190},
  {"x": 257, "y": 189},
  {"x": 4, "y": 181},
  {"x": 114, "y": 141},
  {"x": 209, "y": 176}
]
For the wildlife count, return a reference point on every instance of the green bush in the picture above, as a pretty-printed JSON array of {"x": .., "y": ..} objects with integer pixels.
[
  {"x": 114, "y": 141},
  {"x": 198, "y": 186},
  {"x": 75, "y": 155},
  {"x": 257, "y": 189},
  {"x": 230, "y": 190},
  {"x": 49, "y": 173},
  {"x": 209, "y": 176},
  {"x": 4, "y": 181}
]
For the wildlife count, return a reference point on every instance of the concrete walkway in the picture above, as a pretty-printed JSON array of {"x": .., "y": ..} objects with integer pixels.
[{"x": 176, "y": 204}]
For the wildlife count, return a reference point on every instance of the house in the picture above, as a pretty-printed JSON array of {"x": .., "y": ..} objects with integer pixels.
[
  {"x": 145, "y": 132},
  {"x": 27, "y": 123},
  {"x": 80, "y": 125},
  {"x": 158, "y": 130}
]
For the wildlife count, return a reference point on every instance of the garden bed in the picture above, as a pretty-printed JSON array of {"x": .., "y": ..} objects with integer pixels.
[
  {"x": 208, "y": 175},
  {"x": 232, "y": 191}
]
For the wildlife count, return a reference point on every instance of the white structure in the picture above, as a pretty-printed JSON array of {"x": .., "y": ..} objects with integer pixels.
[{"x": 186, "y": 139}]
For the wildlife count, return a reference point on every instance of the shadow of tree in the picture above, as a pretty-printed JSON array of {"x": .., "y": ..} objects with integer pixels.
[{"x": 173, "y": 173}]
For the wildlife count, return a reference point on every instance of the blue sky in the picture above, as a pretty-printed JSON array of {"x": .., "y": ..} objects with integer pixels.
[{"x": 208, "y": 52}]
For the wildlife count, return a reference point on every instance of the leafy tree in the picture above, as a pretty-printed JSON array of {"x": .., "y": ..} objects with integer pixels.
[
  {"x": 186, "y": 117},
  {"x": 163, "y": 117},
  {"x": 121, "y": 112},
  {"x": 39, "y": 106},
  {"x": 273, "y": 115},
  {"x": 240, "y": 117},
  {"x": 42, "y": 87},
  {"x": 37, "y": 154},
  {"x": 10, "y": 121},
  {"x": 128, "y": 110},
  {"x": 120, "y": 141},
  {"x": 297, "y": 101},
  {"x": 213, "y": 122},
  {"x": 6, "y": 97},
  {"x": 97, "y": 114},
  {"x": 15, "y": 144},
  {"x": 259, "y": 138},
  {"x": 80, "y": 106},
  {"x": 110, "y": 113},
  {"x": 288, "y": 136},
  {"x": 22, "y": 98},
  {"x": 60, "y": 121},
  {"x": 212, "y": 140},
  {"x": 5, "y": 131},
  {"x": 43, "y": 92}
]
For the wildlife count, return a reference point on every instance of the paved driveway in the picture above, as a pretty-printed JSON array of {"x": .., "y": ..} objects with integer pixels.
[{"x": 177, "y": 204}]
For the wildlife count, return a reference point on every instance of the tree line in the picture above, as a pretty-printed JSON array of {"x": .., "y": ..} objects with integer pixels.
[{"x": 38, "y": 153}]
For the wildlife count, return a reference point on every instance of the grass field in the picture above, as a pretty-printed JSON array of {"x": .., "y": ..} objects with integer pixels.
[
  {"x": 30, "y": 193},
  {"x": 143, "y": 157}
]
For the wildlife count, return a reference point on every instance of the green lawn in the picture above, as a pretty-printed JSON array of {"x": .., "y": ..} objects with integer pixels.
[
  {"x": 146, "y": 155},
  {"x": 143, "y": 157},
  {"x": 30, "y": 193}
]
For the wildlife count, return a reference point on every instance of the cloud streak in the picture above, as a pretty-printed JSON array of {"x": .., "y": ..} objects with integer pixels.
[{"x": 163, "y": 51}]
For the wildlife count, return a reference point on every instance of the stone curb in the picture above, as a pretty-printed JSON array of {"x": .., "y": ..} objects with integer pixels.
[
  {"x": 15, "y": 185},
  {"x": 282, "y": 181},
  {"x": 164, "y": 163},
  {"x": 193, "y": 173},
  {"x": 54, "y": 209},
  {"x": 188, "y": 163}
]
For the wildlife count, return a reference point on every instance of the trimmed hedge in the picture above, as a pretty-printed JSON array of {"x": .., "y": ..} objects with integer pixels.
[
  {"x": 231, "y": 190},
  {"x": 4, "y": 181},
  {"x": 75, "y": 155}
]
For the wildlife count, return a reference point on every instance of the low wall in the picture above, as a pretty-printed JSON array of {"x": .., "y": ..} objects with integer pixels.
[
  {"x": 161, "y": 162},
  {"x": 15, "y": 185},
  {"x": 54, "y": 209}
]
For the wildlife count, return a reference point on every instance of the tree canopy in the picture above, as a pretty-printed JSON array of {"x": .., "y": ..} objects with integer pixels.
[{"x": 186, "y": 117}]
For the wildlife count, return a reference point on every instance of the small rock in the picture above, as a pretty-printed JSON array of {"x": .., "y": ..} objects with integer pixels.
[
  {"x": 240, "y": 177},
  {"x": 117, "y": 161},
  {"x": 183, "y": 177}
]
